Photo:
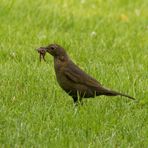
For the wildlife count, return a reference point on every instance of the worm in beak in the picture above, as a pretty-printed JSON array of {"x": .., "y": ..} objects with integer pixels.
[{"x": 42, "y": 53}]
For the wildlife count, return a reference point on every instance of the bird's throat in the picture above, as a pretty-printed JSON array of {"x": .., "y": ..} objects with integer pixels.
[{"x": 60, "y": 62}]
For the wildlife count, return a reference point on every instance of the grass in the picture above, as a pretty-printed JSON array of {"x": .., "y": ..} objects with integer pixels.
[{"x": 108, "y": 39}]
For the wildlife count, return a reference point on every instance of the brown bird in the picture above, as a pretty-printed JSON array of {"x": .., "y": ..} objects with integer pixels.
[{"x": 72, "y": 79}]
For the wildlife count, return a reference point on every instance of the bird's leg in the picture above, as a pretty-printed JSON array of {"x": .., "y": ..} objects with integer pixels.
[
  {"x": 80, "y": 100},
  {"x": 77, "y": 100}
]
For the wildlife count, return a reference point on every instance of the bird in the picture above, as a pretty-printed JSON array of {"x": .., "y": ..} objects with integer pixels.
[{"x": 72, "y": 79}]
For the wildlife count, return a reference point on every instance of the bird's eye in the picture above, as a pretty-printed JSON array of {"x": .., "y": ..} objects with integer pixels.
[{"x": 52, "y": 48}]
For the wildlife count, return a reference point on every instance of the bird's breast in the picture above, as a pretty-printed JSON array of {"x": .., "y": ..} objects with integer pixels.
[{"x": 60, "y": 75}]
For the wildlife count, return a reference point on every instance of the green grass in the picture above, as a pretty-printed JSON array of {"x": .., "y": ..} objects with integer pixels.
[{"x": 35, "y": 112}]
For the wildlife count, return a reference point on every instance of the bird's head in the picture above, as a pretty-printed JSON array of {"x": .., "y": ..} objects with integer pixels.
[{"x": 54, "y": 49}]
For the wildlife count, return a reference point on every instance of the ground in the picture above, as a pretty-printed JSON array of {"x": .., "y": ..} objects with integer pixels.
[{"x": 108, "y": 39}]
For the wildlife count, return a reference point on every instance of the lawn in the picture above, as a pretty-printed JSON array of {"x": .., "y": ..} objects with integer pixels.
[{"x": 108, "y": 39}]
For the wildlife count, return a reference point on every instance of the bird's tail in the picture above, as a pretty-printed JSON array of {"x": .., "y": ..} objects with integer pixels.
[{"x": 114, "y": 93}]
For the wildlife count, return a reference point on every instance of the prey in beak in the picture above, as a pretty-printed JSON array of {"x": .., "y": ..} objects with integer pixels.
[{"x": 42, "y": 53}]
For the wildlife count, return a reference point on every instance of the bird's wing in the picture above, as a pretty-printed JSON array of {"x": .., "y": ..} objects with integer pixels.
[{"x": 75, "y": 74}]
